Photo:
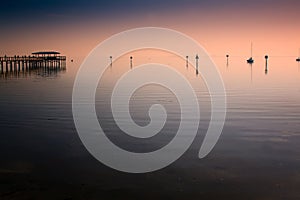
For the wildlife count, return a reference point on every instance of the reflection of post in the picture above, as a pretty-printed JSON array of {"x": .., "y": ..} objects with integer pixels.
[
  {"x": 251, "y": 72},
  {"x": 131, "y": 62},
  {"x": 6, "y": 66},
  {"x": 266, "y": 67},
  {"x": 110, "y": 57},
  {"x": 197, "y": 58},
  {"x": 187, "y": 61}
]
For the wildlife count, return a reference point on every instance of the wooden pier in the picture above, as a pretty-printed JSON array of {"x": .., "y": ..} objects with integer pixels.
[{"x": 42, "y": 59}]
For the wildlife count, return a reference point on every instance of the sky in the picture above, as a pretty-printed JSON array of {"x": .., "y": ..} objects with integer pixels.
[{"x": 75, "y": 27}]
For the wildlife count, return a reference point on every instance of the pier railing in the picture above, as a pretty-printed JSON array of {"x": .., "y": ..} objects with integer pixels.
[{"x": 30, "y": 58}]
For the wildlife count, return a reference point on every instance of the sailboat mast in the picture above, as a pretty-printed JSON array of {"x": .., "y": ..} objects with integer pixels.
[{"x": 250, "y": 60}]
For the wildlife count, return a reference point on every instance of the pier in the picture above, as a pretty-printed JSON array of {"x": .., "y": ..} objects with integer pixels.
[{"x": 42, "y": 59}]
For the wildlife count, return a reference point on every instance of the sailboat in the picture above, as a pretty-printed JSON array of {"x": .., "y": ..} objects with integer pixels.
[
  {"x": 250, "y": 60},
  {"x": 298, "y": 59}
]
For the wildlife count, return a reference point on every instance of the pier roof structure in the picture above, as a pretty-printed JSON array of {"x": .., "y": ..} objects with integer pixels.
[{"x": 44, "y": 53}]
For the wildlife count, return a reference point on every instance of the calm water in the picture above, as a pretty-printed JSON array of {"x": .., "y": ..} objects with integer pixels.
[{"x": 257, "y": 156}]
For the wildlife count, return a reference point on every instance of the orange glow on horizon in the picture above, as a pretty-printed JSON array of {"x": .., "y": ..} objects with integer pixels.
[{"x": 219, "y": 31}]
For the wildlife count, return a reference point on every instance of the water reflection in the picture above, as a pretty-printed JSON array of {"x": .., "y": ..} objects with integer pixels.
[
  {"x": 40, "y": 147},
  {"x": 46, "y": 72},
  {"x": 251, "y": 72}
]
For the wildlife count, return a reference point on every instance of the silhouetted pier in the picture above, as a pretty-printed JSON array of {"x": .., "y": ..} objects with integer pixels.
[{"x": 42, "y": 59}]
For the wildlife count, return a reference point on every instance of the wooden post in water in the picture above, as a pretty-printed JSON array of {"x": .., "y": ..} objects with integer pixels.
[
  {"x": 227, "y": 56},
  {"x": 197, "y": 58},
  {"x": 110, "y": 57},
  {"x": 131, "y": 62},
  {"x": 187, "y": 61},
  {"x": 266, "y": 67}
]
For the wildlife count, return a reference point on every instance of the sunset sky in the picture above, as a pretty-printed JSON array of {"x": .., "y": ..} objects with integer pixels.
[{"x": 221, "y": 26}]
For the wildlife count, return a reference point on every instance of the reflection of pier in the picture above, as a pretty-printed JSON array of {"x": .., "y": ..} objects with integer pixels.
[
  {"x": 47, "y": 59},
  {"x": 38, "y": 72}
]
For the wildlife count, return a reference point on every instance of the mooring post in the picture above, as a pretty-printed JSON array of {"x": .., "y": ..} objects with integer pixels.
[
  {"x": 266, "y": 68},
  {"x": 197, "y": 58},
  {"x": 187, "y": 61},
  {"x": 227, "y": 56},
  {"x": 131, "y": 61}
]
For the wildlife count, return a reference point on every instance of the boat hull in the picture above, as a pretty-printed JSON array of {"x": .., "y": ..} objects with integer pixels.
[{"x": 250, "y": 61}]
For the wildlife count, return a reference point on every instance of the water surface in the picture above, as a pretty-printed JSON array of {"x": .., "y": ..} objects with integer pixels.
[{"x": 257, "y": 156}]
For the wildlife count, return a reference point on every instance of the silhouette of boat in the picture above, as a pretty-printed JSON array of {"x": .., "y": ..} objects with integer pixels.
[
  {"x": 250, "y": 60},
  {"x": 298, "y": 59}
]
